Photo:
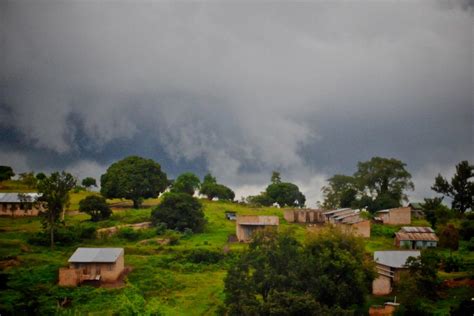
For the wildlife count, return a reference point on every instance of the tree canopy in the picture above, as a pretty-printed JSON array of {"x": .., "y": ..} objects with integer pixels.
[
  {"x": 179, "y": 211},
  {"x": 54, "y": 192},
  {"x": 460, "y": 189},
  {"x": 377, "y": 184},
  {"x": 96, "y": 206},
  {"x": 212, "y": 189},
  {"x": 277, "y": 275},
  {"x": 134, "y": 178},
  {"x": 6, "y": 173},
  {"x": 187, "y": 182},
  {"x": 89, "y": 182}
]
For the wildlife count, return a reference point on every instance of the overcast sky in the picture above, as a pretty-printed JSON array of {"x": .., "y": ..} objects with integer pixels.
[{"x": 238, "y": 88}]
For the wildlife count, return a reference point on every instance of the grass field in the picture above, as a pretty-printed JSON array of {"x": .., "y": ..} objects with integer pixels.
[{"x": 163, "y": 278}]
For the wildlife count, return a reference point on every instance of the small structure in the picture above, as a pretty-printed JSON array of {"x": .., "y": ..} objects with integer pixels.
[
  {"x": 348, "y": 220},
  {"x": 388, "y": 309},
  {"x": 395, "y": 216},
  {"x": 416, "y": 238},
  {"x": 93, "y": 264},
  {"x": 19, "y": 204},
  {"x": 109, "y": 231},
  {"x": 231, "y": 216},
  {"x": 390, "y": 265},
  {"x": 304, "y": 216},
  {"x": 416, "y": 210},
  {"x": 246, "y": 225}
]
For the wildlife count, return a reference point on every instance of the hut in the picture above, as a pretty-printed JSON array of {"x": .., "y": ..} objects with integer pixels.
[
  {"x": 416, "y": 238},
  {"x": 246, "y": 225},
  {"x": 20, "y": 204},
  {"x": 395, "y": 216}
]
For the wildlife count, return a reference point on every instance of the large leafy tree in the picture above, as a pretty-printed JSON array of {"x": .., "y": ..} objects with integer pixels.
[
  {"x": 278, "y": 275},
  {"x": 6, "y": 173},
  {"x": 134, "y": 178},
  {"x": 212, "y": 189},
  {"x": 179, "y": 211},
  {"x": 285, "y": 194},
  {"x": 96, "y": 206},
  {"x": 460, "y": 189},
  {"x": 54, "y": 192},
  {"x": 89, "y": 182},
  {"x": 187, "y": 182},
  {"x": 341, "y": 191}
]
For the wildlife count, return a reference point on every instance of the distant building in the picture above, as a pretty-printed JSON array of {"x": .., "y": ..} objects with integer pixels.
[
  {"x": 304, "y": 216},
  {"x": 231, "y": 216},
  {"x": 416, "y": 238},
  {"x": 395, "y": 216},
  {"x": 390, "y": 266},
  {"x": 416, "y": 210},
  {"x": 246, "y": 225},
  {"x": 93, "y": 264},
  {"x": 348, "y": 220},
  {"x": 19, "y": 204}
]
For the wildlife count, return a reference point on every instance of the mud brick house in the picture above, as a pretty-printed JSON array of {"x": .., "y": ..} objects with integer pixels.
[
  {"x": 304, "y": 216},
  {"x": 246, "y": 225},
  {"x": 348, "y": 220},
  {"x": 19, "y": 204},
  {"x": 390, "y": 266},
  {"x": 416, "y": 238},
  {"x": 395, "y": 216},
  {"x": 102, "y": 265}
]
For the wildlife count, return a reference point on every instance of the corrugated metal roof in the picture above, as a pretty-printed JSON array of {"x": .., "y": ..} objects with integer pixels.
[
  {"x": 15, "y": 197},
  {"x": 417, "y": 236},
  {"x": 336, "y": 211},
  {"x": 96, "y": 255},
  {"x": 409, "y": 229},
  {"x": 394, "y": 258}
]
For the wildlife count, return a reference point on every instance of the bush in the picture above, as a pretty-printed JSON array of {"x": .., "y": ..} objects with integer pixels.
[
  {"x": 96, "y": 206},
  {"x": 470, "y": 244},
  {"x": 161, "y": 228},
  {"x": 466, "y": 230},
  {"x": 204, "y": 256},
  {"x": 179, "y": 211},
  {"x": 449, "y": 237},
  {"x": 65, "y": 235},
  {"x": 452, "y": 264},
  {"x": 129, "y": 234}
]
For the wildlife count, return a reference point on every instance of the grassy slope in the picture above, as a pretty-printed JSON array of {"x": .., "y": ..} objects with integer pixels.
[{"x": 160, "y": 279}]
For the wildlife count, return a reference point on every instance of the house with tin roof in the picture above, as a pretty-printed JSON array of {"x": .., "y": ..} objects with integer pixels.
[
  {"x": 20, "y": 204},
  {"x": 395, "y": 216},
  {"x": 416, "y": 238},
  {"x": 100, "y": 265},
  {"x": 348, "y": 220},
  {"x": 390, "y": 266}
]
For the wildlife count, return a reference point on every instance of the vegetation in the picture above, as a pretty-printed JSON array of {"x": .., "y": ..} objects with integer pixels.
[
  {"x": 179, "y": 211},
  {"x": 460, "y": 189},
  {"x": 89, "y": 182},
  {"x": 379, "y": 183},
  {"x": 55, "y": 195},
  {"x": 133, "y": 178},
  {"x": 96, "y": 206},
  {"x": 187, "y": 182},
  {"x": 212, "y": 189},
  {"x": 6, "y": 173}
]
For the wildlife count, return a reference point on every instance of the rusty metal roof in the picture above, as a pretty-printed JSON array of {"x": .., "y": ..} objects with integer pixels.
[
  {"x": 410, "y": 229},
  {"x": 417, "y": 236}
]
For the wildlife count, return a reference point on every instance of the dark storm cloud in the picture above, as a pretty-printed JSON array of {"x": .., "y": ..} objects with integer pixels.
[{"x": 239, "y": 89}]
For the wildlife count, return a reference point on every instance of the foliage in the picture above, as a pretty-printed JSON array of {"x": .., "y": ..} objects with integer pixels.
[
  {"x": 285, "y": 194},
  {"x": 204, "y": 256},
  {"x": 452, "y": 263},
  {"x": 449, "y": 237},
  {"x": 470, "y": 244},
  {"x": 436, "y": 212},
  {"x": 327, "y": 275},
  {"x": 65, "y": 235},
  {"x": 379, "y": 183},
  {"x": 40, "y": 176},
  {"x": 179, "y": 211},
  {"x": 212, "y": 189},
  {"x": 461, "y": 189},
  {"x": 6, "y": 173},
  {"x": 259, "y": 200},
  {"x": 276, "y": 178},
  {"x": 133, "y": 178},
  {"x": 187, "y": 182},
  {"x": 29, "y": 179},
  {"x": 129, "y": 233},
  {"x": 89, "y": 182},
  {"x": 55, "y": 195},
  {"x": 96, "y": 206}
]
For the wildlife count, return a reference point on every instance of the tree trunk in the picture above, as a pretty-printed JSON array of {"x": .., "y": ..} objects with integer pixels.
[{"x": 136, "y": 203}]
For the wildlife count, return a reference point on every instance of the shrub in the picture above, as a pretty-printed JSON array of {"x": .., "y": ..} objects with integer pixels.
[
  {"x": 470, "y": 244},
  {"x": 466, "y": 230},
  {"x": 161, "y": 228},
  {"x": 65, "y": 235},
  {"x": 96, "y": 206},
  {"x": 449, "y": 237},
  {"x": 452, "y": 264},
  {"x": 204, "y": 256},
  {"x": 129, "y": 234}
]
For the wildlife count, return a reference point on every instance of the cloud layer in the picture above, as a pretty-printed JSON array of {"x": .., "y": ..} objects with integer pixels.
[{"x": 239, "y": 89}]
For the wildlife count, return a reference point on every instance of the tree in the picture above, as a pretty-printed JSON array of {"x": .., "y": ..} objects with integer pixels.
[
  {"x": 133, "y": 178},
  {"x": 89, "y": 182},
  {"x": 460, "y": 190},
  {"x": 260, "y": 200},
  {"x": 179, "y": 211},
  {"x": 29, "y": 179},
  {"x": 187, "y": 182},
  {"x": 54, "y": 192},
  {"x": 285, "y": 194},
  {"x": 212, "y": 189},
  {"x": 340, "y": 192},
  {"x": 277, "y": 275},
  {"x": 6, "y": 173},
  {"x": 40, "y": 176},
  {"x": 276, "y": 177},
  {"x": 449, "y": 237},
  {"x": 96, "y": 206},
  {"x": 436, "y": 212}
]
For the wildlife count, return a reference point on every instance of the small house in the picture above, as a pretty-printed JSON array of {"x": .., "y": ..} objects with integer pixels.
[
  {"x": 416, "y": 210},
  {"x": 231, "y": 216},
  {"x": 416, "y": 238},
  {"x": 395, "y": 216},
  {"x": 390, "y": 266},
  {"x": 19, "y": 204},
  {"x": 246, "y": 225},
  {"x": 348, "y": 220},
  {"x": 304, "y": 216},
  {"x": 102, "y": 265}
]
